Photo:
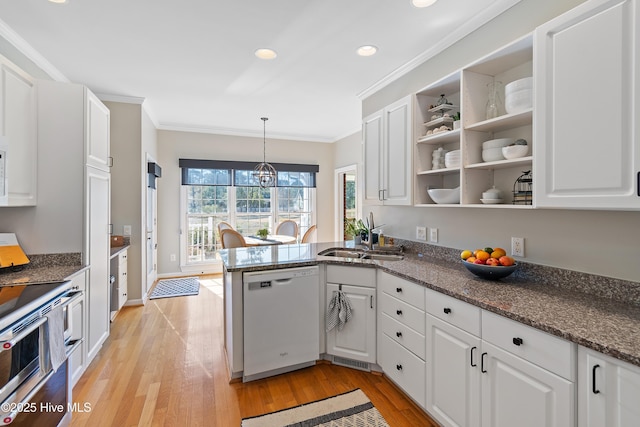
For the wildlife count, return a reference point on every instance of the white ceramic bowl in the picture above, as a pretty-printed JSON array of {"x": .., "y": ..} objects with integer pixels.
[
  {"x": 497, "y": 143},
  {"x": 517, "y": 85},
  {"x": 515, "y": 151},
  {"x": 448, "y": 163},
  {"x": 452, "y": 154},
  {"x": 492, "y": 193},
  {"x": 518, "y": 101},
  {"x": 492, "y": 154},
  {"x": 445, "y": 195}
]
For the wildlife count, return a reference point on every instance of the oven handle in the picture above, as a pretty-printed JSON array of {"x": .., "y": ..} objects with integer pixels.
[
  {"x": 70, "y": 298},
  {"x": 10, "y": 416},
  {"x": 6, "y": 345}
]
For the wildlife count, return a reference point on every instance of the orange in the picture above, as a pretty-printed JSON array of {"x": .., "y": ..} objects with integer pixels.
[
  {"x": 498, "y": 252},
  {"x": 471, "y": 259},
  {"x": 483, "y": 255}
]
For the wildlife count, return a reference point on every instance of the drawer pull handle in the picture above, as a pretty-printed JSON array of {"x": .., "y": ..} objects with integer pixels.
[
  {"x": 473, "y": 365},
  {"x": 399, "y": 290},
  {"x": 399, "y": 312},
  {"x": 593, "y": 380},
  {"x": 398, "y": 334},
  {"x": 399, "y": 367},
  {"x": 447, "y": 310},
  {"x": 518, "y": 341},
  {"x": 484, "y": 371}
]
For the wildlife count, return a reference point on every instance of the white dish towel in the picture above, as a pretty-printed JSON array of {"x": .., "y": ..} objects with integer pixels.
[
  {"x": 57, "y": 351},
  {"x": 338, "y": 311}
]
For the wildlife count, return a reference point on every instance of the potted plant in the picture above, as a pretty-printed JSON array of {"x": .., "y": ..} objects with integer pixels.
[
  {"x": 263, "y": 233},
  {"x": 356, "y": 229},
  {"x": 456, "y": 120}
]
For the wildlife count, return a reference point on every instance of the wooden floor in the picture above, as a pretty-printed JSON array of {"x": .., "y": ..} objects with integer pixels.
[{"x": 163, "y": 365}]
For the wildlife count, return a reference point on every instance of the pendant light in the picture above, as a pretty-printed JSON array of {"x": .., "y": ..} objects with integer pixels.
[{"x": 264, "y": 172}]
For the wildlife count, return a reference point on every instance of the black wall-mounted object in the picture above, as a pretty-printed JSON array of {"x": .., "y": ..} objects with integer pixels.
[{"x": 153, "y": 171}]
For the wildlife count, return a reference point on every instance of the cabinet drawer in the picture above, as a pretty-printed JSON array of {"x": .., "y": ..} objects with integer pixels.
[
  {"x": 122, "y": 257},
  {"x": 357, "y": 276},
  {"x": 403, "y": 335},
  {"x": 403, "y": 368},
  {"x": 458, "y": 313},
  {"x": 402, "y": 312},
  {"x": 545, "y": 350},
  {"x": 404, "y": 290}
]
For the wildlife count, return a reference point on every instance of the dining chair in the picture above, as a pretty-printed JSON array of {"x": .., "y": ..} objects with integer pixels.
[
  {"x": 288, "y": 228},
  {"x": 231, "y": 239},
  {"x": 223, "y": 225},
  {"x": 309, "y": 234}
]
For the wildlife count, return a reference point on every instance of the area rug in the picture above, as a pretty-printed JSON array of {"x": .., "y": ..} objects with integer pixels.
[
  {"x": 351, "y": 409},
  {"x": 176, "y": 287}
]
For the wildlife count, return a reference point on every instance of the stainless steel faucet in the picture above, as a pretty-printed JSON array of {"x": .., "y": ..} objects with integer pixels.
[{"x": 369, "y": 242}]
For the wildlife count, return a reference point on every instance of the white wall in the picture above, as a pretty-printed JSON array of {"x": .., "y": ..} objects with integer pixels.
[
  {"x": 598, "y": 242},
  {"x": 174, "y": 145}
]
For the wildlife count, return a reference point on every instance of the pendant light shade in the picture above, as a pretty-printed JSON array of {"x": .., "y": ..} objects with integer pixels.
[{"x": 264, "y": 172}]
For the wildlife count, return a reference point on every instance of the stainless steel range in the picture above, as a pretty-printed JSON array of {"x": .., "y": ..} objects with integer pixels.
[{"x": 34, "y": 346}]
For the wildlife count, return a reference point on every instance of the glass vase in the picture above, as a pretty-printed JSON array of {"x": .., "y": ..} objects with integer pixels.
[{"x": 495, "y": 106}]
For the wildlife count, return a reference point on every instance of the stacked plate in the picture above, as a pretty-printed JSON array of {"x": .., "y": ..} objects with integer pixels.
[
  {"x": 518, "y": 95},
  {"x": 492, "y": 149},
  {"x": 452, "y": 159}
]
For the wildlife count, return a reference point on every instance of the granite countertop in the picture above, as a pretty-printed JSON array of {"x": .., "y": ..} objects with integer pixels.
[
  {"x": 44, "y": 269},
  {"x": 115, "y": 250},
  {"x": 589, "y": 310}
]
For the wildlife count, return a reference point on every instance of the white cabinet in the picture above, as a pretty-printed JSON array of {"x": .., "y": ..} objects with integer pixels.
[
  {"x": 608, "y": 391},
  {"x": 78, "y": 326},
  {"x": 122, "y": 278},
  {"x": 97, "y": 138},
  {"x": 587, "y": 101},
  {"x": 453, "y": 355},
  {"x": 97, "y": 244},
  {"x": 357, "y": 339},
  {"x": 401, "y": 334},
  {"x": 388, "y": 154},
  {"x": 18, "y": 143}
]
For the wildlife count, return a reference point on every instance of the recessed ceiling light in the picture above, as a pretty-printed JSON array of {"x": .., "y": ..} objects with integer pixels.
[
  {"x": 58, "y": 1},
  {"x": 266, "y": 53},
  {"x": 367, "y": 50},
  {"x": 423, "y": 3}
]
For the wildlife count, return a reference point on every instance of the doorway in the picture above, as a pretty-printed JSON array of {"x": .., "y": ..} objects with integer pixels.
[
  {"x": 151, "y": 233},
  {"x": 347, "y": 206}
]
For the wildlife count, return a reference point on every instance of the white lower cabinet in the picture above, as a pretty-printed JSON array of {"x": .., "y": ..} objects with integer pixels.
[
  {"x": 608, "y": 391},
  {"x": 77, "y": 319}
]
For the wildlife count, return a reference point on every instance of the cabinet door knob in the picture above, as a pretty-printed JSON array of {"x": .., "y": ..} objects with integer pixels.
[
  {"x": 398, "y": 290},
  {"x": 593, "y": 380},
  {"x": 399, "y": 312},
  {"x": 399, "y": 367},
  {"x": 447, "y": 310},
  {"x": 518, "y": 341},
  {"x": 398, "y": 334}
]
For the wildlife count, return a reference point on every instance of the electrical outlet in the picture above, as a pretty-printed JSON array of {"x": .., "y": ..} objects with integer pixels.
[
  {"x": 172, "y": 257},
  {"x": 433, "y": 235},
  {"x": 517, "y": 246},
  {"x": 126, "y": 230},
  {"x": 421, "y": 233}
]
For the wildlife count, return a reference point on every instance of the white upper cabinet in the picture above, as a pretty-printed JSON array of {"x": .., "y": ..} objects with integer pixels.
[
  {"x": 97, "y": 129},
  {"x": 587, "y": 146},
  {"x": 388, "y": 154},
  {"x": 18, "y": 142}
]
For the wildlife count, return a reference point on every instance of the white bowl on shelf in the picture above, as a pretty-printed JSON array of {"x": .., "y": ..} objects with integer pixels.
[
  {"x": 492, "y": 154},
  {"x": 445, "y": 195},
  {"x": 519, "y": 101},
  {"x": 492, "y": 201},
  {"x": 518, "y": 85},
  {"x": 497, "y": 143},
  {"x": 515, "y": 151}
]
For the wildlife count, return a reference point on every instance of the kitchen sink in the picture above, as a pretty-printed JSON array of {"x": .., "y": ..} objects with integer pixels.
[{"x": 361, "y": 254}]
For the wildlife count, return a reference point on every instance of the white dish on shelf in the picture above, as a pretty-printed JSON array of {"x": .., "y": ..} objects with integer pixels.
[
  {"x": 519, "y": 101},
  {"x": 445, "y": 195},
  {"x": 515, "y": 151},
  {"x": 491, "y": 201},
  {"x": 497, "y": 143},
  {"x": 492, "y": 154},
  {"x": 518, "y": 85}
]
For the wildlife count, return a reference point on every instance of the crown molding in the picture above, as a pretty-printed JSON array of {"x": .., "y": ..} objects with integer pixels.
[
  {"x": 473, "y": 24},
  {"x": 28, "y": 51}
]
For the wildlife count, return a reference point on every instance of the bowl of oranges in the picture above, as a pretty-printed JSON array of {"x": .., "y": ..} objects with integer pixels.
[{"x": 488, "y": 263}]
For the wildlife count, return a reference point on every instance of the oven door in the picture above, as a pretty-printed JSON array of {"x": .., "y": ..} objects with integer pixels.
[{"x": 24, "y": 365}]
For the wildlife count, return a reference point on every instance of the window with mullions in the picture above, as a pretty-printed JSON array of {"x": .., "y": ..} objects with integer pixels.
[{"x": 217, "y": 191}]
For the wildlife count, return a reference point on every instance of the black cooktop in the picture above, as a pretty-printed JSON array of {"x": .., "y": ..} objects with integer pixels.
[{"x": 17, "y": 301}]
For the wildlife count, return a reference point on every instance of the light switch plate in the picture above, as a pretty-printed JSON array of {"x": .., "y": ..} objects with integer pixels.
[
  {"x": 126, "y": 230},
  {"x": 433, "y": 235}
]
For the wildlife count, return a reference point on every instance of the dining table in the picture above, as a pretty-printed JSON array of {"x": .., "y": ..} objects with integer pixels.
[{"x": 271, "y": 239}]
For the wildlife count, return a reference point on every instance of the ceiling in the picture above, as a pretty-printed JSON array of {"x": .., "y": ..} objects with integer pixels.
[{"x": 193, "y": 61}]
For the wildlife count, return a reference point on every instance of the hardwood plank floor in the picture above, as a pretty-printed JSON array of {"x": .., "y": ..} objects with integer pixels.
[{"x": 164, "y": 365}]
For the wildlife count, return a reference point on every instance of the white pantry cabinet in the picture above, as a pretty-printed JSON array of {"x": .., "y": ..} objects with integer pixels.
[
  {"x": 18, "y": 143},
  {"x": 78, "y": 326},
  {"x": 587, "y": 147},
  {"x": 388, "y": 154},
  {"x": 608, "y": 391}
]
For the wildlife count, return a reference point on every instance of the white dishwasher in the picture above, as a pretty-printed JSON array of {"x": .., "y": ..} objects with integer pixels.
[{"x": 281, "y": 316}]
